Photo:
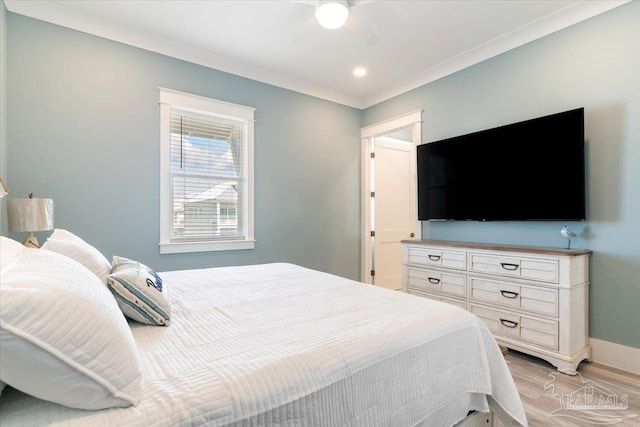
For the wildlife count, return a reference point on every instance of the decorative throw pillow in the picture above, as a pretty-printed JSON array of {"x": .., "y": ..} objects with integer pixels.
[
  {"x": 140, "y": 292},
  {"x": 66, "y": 243},
  {"x": 62, "y": 335}
]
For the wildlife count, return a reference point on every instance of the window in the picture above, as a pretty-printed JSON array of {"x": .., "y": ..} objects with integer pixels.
[{"x": 206, "y": 184}]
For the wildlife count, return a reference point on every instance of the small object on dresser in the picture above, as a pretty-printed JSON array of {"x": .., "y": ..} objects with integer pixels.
[{"x": 568, "y": 234}]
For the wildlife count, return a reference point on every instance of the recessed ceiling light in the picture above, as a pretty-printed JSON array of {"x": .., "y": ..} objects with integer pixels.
[
  {"x": 359, "y": 71},
  {"x": 332, "y": 14}
]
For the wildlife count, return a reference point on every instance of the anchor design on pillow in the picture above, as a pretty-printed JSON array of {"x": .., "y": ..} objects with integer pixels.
[{"x": 158, "y": 282}]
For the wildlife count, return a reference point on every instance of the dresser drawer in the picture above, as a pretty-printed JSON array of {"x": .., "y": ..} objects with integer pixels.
[
  {"x": 533, "y": 299},
  {"x": 540, "y": 269},
  {"x": 437, "y": 281},
  {"x": 540, "y": 332},
  {"x": 459, "y": 303},
  {"x": 437, "y": 257}
]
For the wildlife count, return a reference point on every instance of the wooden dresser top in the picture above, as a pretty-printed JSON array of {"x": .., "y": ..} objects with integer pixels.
[{"x": 501, "y": 247}]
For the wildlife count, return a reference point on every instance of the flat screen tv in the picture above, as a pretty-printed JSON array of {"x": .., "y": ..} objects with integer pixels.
[{"x": 528, "y": 171}]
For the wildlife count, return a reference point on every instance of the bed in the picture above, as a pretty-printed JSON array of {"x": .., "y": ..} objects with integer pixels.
[{"x": 282, "y": 345}]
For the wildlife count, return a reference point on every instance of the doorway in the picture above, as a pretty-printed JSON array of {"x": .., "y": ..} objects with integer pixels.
[{"x": 389, "y": 213}]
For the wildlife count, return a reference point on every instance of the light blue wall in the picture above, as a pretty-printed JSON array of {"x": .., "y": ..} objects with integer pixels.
[
  {"x": 84, "y": 130},
  {"x": 596, "y": 65}
]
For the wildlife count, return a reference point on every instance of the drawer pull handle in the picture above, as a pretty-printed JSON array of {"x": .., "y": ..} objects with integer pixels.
[
  {"x": 509, "y": 323},
  {"x": 434, "y": 257},
  {"x": 509, "y": 266},
  {"x": 509, "y": 294},
  {"x": 434, "y": 280}
]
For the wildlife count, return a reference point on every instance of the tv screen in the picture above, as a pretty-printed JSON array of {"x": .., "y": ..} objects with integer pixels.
[{"x": 528, "y": 171}]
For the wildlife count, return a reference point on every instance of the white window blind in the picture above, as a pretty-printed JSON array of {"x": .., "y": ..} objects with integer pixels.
[{"x": 209, "y": 194}]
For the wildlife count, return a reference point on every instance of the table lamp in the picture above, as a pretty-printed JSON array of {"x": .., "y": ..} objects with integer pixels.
[{"x": 30, "y": 215}]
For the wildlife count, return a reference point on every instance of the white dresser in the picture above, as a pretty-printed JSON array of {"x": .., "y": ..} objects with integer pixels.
[{"x": 534, "y": 300}]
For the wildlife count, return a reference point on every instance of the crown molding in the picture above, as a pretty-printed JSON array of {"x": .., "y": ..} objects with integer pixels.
[
  {"x": 71, "y": 18},
  {"x": 58, "y": 14},
  {"x": 561, "y": 19}
]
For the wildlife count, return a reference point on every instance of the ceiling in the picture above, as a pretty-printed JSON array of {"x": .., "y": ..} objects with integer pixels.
[{"x": 403, "y": 44}]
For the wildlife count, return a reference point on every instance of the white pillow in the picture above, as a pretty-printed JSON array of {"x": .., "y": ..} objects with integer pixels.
[
  {"x": 66, "y": 243},
  {"x": 9, "y": 251},
  {"x": 62, "y": 335},
  {"x": 140, "y": 292}
]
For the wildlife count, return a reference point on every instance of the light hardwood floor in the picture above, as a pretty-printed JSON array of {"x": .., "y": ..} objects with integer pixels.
[{"x": 532, "y": 374}]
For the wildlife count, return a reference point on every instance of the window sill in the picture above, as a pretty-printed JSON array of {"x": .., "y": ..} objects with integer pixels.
[{"x": 226, "y": 245}]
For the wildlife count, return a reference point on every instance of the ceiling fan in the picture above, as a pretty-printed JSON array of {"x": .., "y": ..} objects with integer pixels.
[{"x": 332, "y": 14}]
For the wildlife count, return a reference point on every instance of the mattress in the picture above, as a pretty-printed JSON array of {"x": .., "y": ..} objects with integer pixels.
[{"x": 282, "y": 345}]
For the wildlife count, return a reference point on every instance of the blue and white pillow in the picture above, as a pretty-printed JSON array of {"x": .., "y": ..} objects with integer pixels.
[{"x": 140, "y": 292}]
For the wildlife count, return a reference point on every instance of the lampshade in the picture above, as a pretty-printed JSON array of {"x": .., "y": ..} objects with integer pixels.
[
  {"x": 30, "y": 214},
  {"x": 332, "y": 14}
]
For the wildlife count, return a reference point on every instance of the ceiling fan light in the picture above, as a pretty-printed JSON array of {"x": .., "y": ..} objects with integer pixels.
[
  {"x": 359, "y": 71},
  {"x": 332, "y": 14}
]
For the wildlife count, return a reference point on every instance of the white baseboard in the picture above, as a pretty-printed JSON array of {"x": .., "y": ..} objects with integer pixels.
[{"x": 616, "y": 355}]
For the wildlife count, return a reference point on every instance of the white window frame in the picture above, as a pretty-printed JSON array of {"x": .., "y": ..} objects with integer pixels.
[{"x": 169, "y": 98}]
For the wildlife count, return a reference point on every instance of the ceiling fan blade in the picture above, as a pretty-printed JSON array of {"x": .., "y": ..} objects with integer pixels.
[{"x": 361, "y": 30}]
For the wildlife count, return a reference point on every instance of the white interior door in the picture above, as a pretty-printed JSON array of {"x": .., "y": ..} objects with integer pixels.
[
  {"x": 393, "y": 207},
  {"x": 389, "y": 213}
]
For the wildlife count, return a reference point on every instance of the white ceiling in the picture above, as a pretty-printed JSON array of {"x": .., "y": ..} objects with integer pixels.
[{"x": 280, "y": 43}]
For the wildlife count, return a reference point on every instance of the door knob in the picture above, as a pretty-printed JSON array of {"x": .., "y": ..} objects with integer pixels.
[{"x": 413, "y": 234}]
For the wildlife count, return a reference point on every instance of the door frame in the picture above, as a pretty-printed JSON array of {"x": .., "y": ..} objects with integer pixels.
[{"x": 410, "y": 119}]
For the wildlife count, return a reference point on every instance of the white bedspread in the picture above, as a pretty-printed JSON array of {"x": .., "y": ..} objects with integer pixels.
[{"x": 281, "y": 345}]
